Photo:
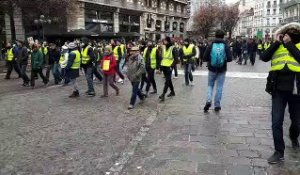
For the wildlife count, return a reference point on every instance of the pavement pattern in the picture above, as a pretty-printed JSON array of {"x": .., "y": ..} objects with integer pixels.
[{"x": 42, "y": 131}]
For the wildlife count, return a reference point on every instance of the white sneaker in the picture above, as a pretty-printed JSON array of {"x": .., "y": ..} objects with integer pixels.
[
  {"x": 192, "y": 83},
  {"x": 120, "y": 81},
  {"x": 175, "y": 77}
]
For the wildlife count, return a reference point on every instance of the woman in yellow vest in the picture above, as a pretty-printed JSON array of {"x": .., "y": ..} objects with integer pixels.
[
  {"x": 118, "y": 55},
  {"x": 169, "y": 57},
  {"x": 188, "y": 58},
  {"x": 284, "y": 86},
  {"x": 72, "y": 68}
]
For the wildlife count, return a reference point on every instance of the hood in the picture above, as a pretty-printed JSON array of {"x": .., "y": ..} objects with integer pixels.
[{"x": 285, "y": 28}]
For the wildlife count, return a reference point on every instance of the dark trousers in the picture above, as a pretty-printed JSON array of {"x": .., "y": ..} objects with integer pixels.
[
  {"x": 34, "y": 73},
  {"x": 12, "y": 65},
  {"x": 151, "y": 80},
  {"x": 24, "y": 75},
  {"x": 188, "y": 73},
  {"x": 144, "y": 80},
  {"x": 279, "y": 103},
  {"x": 175, "y": 69},
  {"x": 88, "y": 71},
  {"x": 109, "y": 79},
  {"x": 252, "y": 56},
  {"x": 168, "y": 84},
  {"x": 97, "y": 73},
  {"x": 63, "y": 76},
  {"x": 118, "y": 70},
  {"x": 55, "y": 72},
  {"x": 135, "y": 92}
]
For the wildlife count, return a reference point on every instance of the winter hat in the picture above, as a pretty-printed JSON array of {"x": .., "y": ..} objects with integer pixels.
[
  {"x": 168, "y": 39},
  {"x": 220, "y": 33},
  {"x": 289, "y": 28}
]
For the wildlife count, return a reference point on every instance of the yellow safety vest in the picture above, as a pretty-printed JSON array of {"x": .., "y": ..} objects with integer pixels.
[
  {"x": 122, "y": 49},
  {"x": 282, "y": 57},
  {"x": 188, "y": 51},
  {"x": 62, "y": 58},
  {"x": 116, "y": 53},
  {"x": 45, "y": 51},
  {"x": 259, "y": 47},
  {"x": 10, "y": 55},
  {"x": 152, "y": 56},
  {"x": 76, "y": 63},
  {"x": 266, "y": 45},
  {"x": 85, "y": 56},
  {"x": 167, "y": 59}
]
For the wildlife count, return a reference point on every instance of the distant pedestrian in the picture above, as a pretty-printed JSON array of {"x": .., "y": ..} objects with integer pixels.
[
  {"x": 72, "y": 68},
  {"x": 217, "y": 55},
  {"x": 11, "y": 61},
  {"x": 252, "y": 50},
  {"x": 244, "y": 53},
  {"x": 37, "y": 65},
  {"x": 109, "y": 68},
  {"x": 53, "y": 63},
  {"x": 188, "y": 60},
  {"x": 22, "y": 59},
  {"x": 63, "y": 61},
  {"x": 135, "y": 68}
]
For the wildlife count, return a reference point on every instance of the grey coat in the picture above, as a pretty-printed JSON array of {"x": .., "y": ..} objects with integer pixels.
[{"x": 135, "y": 67}]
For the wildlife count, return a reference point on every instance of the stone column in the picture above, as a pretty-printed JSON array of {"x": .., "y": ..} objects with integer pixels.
[
  {"x": 76, "y": 17},
  {"x": 7, "y": 28},
  {"x": 18, "y": 22},
  {"x": 117, "y": 21},
  {"x": 143, "y": 24},
  {"x": 163, "y": 28}
]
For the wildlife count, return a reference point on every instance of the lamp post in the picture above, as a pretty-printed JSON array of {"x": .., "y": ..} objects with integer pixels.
[{"x": 41, "y": 21}]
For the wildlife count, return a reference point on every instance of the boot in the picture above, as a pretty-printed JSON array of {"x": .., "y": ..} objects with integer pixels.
[
  {"x": 162, "y": 97},
  {"x": 74, "y": 94},
  {"x": 172, "y": 94}
]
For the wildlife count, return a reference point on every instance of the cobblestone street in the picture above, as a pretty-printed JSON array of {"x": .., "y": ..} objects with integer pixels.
[{"x": 42, "y": 131}]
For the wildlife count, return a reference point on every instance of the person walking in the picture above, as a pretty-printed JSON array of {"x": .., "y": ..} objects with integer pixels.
[
  {"x": 283, "y": 84},
  {"x": 72, "y": 68},
  {"x": 118, "y": 55},
  {"x": 252, "y": 50},
  {"x": 37, "y": 65},
  {"x": 53, "y": 63},
  {"x": 244, "y": 53},
  {"x": 63, "y": 61},
  {"x": 260, "y": 47},
  {"x": 169, "y": 57},
  {"x": 135, "y": 68},
  {"x": 11, "y": 62},
  {"x": 217, "y": 55},
  {"x": 189, "y": 53},
  {"x": 151, "y": 61},
  {"x": 88, "y": 57},
  {"x": 22, "y": 59},
  {"x": 109, "y": 67}
]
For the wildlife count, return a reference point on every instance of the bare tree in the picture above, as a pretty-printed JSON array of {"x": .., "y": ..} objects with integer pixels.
[{"x": 228, "y": 18}]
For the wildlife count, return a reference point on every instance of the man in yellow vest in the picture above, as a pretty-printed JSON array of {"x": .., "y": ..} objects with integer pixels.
[
  {"x": 118, "y": 55},
  {"x": 11, "y": 62},
  {"x": 151, "y": 61},
  {"x": 284, "y": 86},
  {"x": 267, "y": 44},
  {"x": 87, "y": 61},
  {"x": 72, "y": 68},
  {"x": 188, "y": 58},
  {"x": 169, "y": 57},
  {"x": 260, "y": 47}
]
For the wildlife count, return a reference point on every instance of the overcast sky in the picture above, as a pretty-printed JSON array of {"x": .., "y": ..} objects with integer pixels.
[{"x": 231, "y": 1}]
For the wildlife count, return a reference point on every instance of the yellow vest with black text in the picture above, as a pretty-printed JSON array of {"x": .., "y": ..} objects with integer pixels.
[
  {"x": 77, "y": 60},
  {"x": 167, "y": 56},
  {"x": 116, "y": 52},
  {"x": 10, "y": 55},
  {"x": 282, "y": 57},
  {"x": 188, "y": 51},
  {"x": 85, "y": 55},
  {"x": 152, "y": 56}
]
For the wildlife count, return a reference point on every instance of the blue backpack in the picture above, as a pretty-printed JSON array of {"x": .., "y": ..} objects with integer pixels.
[{"x": 218, "y": 55}]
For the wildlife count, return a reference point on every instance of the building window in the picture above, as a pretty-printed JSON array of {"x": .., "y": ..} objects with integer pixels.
[
  {"x": 130, "y": 1},
  {"x": 275, "y": 3},
  {"x": 268, "y": 12},
  {"x": 171, "y": 7},
  {"x": 268, "y": 4},
  {"x": 154, "y": 3},
  {"x": 141, "y": 2},
  {"x": 274, "y": 11},
  {"x": 268, "y": 22},
  {"x": 163, "y": 5}
]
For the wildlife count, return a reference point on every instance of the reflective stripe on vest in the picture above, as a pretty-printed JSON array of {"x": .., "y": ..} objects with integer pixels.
[
  {"x": 167, "y": 59},
  {"x": 187, "y": 51},
  {"x": 61, "y": 59},
  {"x": 122, "y": 49},
  {"x": 44, "y": 50},
  {"x": 76, "y": 63},
  {"x": 267, "y": 45},
  {"x": 10, "y": 54},
  {"x": 282, "y": 57},
  {"x": 259, "y": 47},
  {"x": 116, "y": 53},
  {"x": 152, "y": 56},
  {"x": 85, "y": 55}
]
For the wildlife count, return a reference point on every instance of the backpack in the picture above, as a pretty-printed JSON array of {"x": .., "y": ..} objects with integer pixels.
[{"x": 218, "y": 55}]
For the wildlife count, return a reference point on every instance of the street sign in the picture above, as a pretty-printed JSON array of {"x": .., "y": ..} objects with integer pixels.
[{"x": 259, "y": 35}]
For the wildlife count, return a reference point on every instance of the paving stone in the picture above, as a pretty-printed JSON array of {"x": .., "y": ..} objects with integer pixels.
[
  {"x": 258, "y": 162},
  {"x": 206, "y": 168},
  {"x": 248, "y": 153},
  {"x": 240, "y": 170}
]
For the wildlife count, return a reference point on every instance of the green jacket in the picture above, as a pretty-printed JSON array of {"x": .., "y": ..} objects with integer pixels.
[{"x": 36, "y": 59}]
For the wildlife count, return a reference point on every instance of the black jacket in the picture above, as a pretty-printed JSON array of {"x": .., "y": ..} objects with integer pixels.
[
  {"x": 22, "y": 55},
  {"x": 207, "y": 57},
  {"x": 54, "y": 56}
]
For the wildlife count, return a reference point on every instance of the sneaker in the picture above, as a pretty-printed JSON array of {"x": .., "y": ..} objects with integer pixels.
[
  {"x": 26, "y": 84},
  {"x": 130, "y": 107},
  {"x": 117, "y": 92},
  {"x": 153, "y": 92},
  {"x": 172, "y": 94},
  {"x": 295, "y": 145},
  {"x": 192, "y": 83},
  {"x": 176, "y": 77},
  {"x": 207, "y": 106},
  {"x": 276, "y": 158},
  {"x": 74, "y": 94},
  {"x": 120, "y": 81},
  {"x": 217, "y": 109},
  {"x": 91, "y": 94}
]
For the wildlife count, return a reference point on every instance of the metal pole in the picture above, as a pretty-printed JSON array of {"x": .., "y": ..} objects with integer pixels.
[{"x": 43, "y": 31}]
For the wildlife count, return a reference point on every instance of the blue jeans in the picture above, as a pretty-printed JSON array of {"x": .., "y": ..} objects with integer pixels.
[
  {"x": 135, "y": 92},
  {"x": 56, "y": 73},
  {"x": 88, "y": 71},
  {"x": 219, "y": 78},
  {"x": 279, "y": 103},
  {"x": 188, "y": 73},
  {"x": 23, "y": 74}
]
